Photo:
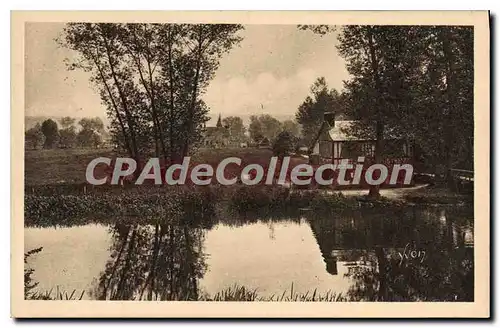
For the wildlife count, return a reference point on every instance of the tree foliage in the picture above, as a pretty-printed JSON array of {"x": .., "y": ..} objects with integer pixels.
[
  {"x": 264, "y": 126},
  {"x": 68, "y": 137},
  {"x": 413, "y": 82},
  {"x": 236, "y": 128},
  {"x": 91, "y": 132},
  {"x": 68, "y": 133},
  {"x": 284, "y": 144},
  {"x": 292, "y": 127},
  {"x": 67, "y": 122},
  {"x": 34, "y": 137},
  {"x": 150, "y": 78},
  {"x": 311, "y": 112},
  {"x": 51, "y": 133}
]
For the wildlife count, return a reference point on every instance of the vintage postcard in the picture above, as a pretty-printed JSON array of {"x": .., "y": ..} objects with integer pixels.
[{"x": 250, "y": 164}]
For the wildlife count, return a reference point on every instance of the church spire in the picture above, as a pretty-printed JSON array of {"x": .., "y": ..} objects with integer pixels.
[{"x": 219, "y": 122}]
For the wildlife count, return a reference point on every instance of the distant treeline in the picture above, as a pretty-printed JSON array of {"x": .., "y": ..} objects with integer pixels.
[{"x": 87, "y": 133}]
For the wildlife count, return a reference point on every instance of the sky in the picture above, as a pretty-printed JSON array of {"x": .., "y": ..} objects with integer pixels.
[{"x": 270, "y": 71}]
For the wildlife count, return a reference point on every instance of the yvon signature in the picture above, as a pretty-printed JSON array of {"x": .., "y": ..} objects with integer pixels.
[{"x": 411, "y": 254}]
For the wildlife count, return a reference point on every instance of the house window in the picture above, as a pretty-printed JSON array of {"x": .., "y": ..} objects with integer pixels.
[
  {"x": 368, "y": 149},
  {"x": 355, "y": 149}
]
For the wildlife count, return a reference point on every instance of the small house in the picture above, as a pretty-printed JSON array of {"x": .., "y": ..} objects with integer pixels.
[
  {"x": 335, "y": 142},
  {"x": 264, "y": 142}
]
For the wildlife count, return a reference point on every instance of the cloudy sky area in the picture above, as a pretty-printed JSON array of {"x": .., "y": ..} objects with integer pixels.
[{"x": 273, "y": 67}]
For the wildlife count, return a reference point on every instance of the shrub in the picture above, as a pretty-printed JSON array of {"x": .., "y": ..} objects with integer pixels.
[
  {"x": 181, "y": 205},
  {"x": 326, "y": 202}
]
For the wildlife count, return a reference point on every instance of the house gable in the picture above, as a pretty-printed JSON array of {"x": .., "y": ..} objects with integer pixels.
[{"x": 322, "y": 135}]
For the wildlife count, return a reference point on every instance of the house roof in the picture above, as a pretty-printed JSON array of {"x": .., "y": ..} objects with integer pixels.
[
  {"x": 339, "y": 131},
  {"x": 263, "y": 140}
]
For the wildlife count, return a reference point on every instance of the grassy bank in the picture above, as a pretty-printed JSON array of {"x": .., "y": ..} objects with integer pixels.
[
  {"x": 75, "y": 205},
  {"x": 185, "y": 205},
  {"x": 438, "y": 195}
]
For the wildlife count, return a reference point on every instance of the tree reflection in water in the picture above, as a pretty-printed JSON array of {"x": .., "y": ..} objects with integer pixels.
[
  {"x": 160, "y": 262},
  {"x": 165, "y": 262},
  {"x": 371, "y": 244}
]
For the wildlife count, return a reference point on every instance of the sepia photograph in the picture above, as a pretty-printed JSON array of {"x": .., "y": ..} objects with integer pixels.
[{"x": 224, "y": 164}]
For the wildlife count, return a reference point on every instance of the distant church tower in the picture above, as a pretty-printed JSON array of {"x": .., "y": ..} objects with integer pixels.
[{"x": 219, "y": 122}]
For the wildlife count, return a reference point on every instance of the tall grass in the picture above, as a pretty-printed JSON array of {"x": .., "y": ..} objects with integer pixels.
[
  {"x": 57, "y": 295},
  {"x": 239, "y": 293}
]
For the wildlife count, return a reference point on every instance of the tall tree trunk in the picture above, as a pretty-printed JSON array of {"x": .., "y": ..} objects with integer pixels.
[
  {"x": 155, "y": 111},
  {"x": 379, "y": 129},
  {"x": 172, "y": 156},
  {"x": 128, "y": 115},
  {"x": 192, "y": 106},
  {"x": 115, "y": 107},
  {"x": 451, "y": 95},
  {"x": 149, "y": 92}
]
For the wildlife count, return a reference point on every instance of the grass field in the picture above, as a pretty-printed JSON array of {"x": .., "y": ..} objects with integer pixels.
[
  {"x": 59, "y": 166},
  {"x": 67, "y": 166}
]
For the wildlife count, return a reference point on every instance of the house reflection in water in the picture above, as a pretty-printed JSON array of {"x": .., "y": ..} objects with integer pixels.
[{"x": 412, "y": 254}]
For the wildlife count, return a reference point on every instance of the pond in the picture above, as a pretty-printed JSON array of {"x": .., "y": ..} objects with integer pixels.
[{"x": 410, "y": 254}]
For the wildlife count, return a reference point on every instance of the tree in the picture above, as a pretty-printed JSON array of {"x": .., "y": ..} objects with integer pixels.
[
  {"x": 362, "y": 48},
  {"x": 89, "y": 138},
  {"x": 68, "y": 137},
  {"x": 151, "y": 78},
  {"x": 264, "y": 126},
  {"x": 91, "y": 133},
  {"x": 67, "y": 133},
  {"x": 414, "y": 83},
  {"x": 292, "y": 127},
  {"x": 51, "y": 133},
  {"x": 446, "y": 128},
  {"x": 236, "y": 128},
  {"x": 284, "y": 144},
  {"x": 67, "y": 122},
  {"x": 93, "y": 124},
  {"x": 310, "y": 113},
  {"x": 34, "y": 137}
]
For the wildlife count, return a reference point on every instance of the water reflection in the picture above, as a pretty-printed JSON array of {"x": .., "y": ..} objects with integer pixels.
[
  {"x": 161, "y": 262},
  {"x": 410, "y": 254}
]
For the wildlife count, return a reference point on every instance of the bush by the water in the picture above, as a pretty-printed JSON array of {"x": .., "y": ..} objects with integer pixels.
[{"x": 180, "y": 205}]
